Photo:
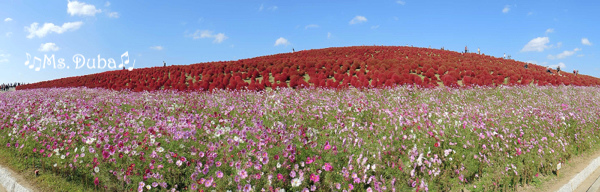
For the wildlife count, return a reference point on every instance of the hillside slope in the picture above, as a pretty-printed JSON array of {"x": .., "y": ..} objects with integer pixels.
[{"x": 359, "y": 66}]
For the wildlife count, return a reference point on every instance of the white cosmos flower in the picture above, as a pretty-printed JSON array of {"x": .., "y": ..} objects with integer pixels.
[
  {"x": 96, "y": 169},
  {"x": 296, "y": 182}
]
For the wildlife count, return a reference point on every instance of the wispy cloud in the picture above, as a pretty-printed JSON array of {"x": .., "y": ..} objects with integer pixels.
[
  {"x": 107, "y": 4},
  {"x": 8, "y": 34},
  {"x": 561, "y": 65},
  {"x": 586, "y": 41},
  {"x": 4, "y": 57},
  {"x": 113, "y": 14},
  {"x": 374, "y": 26},
  {"x": 538, "y": 44},
  {"x": 550, "y": 30},
  {"x": 564, "y": 54},
  {"x": 35, "y": 31},
  {"x": 400, "y": 2},
  {"x": 47, "y": 47},
  {"x": 8, "y": 19},
  {"x": 271, "y": 8},
  {"x": 328, "y": 35},
  {"x": 281, "y": 41},
  {"x": 81, "y": 9},
  {"x": 158, "y": 47},
  {"x": 201, "y": 34},
  {"x": 506, "y": 9},
  {"x": 358, "y": 19},
  {"x": 311, "y": 26}
]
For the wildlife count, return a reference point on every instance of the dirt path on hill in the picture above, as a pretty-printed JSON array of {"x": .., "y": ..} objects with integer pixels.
[
  {"x": 571, "y": 168},
  {"x": 19, "y": 178}
]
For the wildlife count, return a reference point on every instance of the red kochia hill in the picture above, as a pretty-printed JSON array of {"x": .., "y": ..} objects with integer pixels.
[{"x": 341, "y": 67}]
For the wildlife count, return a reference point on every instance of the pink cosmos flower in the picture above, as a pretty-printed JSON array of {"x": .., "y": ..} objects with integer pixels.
[
  {"x": 314, "y": 178},
  {"x": 327, "y": 146},
  {"x": 327, "y": 167},
  {"x": 309, "y": 160}
]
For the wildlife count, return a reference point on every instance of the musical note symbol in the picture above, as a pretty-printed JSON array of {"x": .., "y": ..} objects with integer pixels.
[
  {"x": 40, "y": 65},
  {"x": 131, "y": 68},
  {"x": 123, "y": 63},
  {"x": 28, "y": 58}
]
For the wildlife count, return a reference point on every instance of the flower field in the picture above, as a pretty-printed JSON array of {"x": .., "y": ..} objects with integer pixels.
[
  {"x": 342, "y": 67},
  {"x": 314, "y": 139}
]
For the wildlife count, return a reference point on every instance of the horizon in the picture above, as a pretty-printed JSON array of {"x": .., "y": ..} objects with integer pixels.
[{"x": 184, "y": 33}]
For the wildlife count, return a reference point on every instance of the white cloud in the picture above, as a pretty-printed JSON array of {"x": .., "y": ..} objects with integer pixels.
[
  {"x": 107, "y": 4},
  {"x": 550, "y": 30},
  {"x": 46, "y": 47},
  {"x": 282, "y": 41},
  {"x": 400, "y": 2},
  {"x": 374, "y": 26},
  {"x": 4, "y": 57},
  {"x": 201, "y": 34},
  {"x": 538, "y": 44},
  {"x": 34, "y": 30},
  {"x": 158, "y": 47},
  {"x": 561, "y": 65},
  {"x": 358, "y": 19},
  {"x": 8, "y": 34},
  {"x": 112, "y": 14},
  {"x": 311, "y": 26},
  {"x": 559, "y": 44},
  {"x": 580, "y": 55},
  {"x": 564, "y": 54},
  {"x": 328, "y": 35},
  {"x": 271, "y": 8},
  {"x": 81, "y": 9},
  {"x": 8, "y": 19},
  {"x": 585, "y": 41},
  {"x": 531, "y": 61},
  {"x": 506, "y": 9}
]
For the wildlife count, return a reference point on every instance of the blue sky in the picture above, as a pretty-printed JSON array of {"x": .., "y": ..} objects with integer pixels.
[{"x": 185, "y": 32}]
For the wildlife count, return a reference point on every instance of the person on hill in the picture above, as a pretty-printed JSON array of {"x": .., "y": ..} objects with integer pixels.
[
  {"x": 164, "y": 64},
  {"x": 548, "y": 70},
  {"x": 478, "y": 51},
  {"x": 466, "y": 50},
  {"x": 558, "y": 69},
  {"x": 293, "y": 50},
  {"x": 526, "y": 65},
  {"x": 504, "y": 57}
]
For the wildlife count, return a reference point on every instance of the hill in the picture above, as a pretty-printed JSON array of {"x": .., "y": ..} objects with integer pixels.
[{"x": 359, "y": 66}]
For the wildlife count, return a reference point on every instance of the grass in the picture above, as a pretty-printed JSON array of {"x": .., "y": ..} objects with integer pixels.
[{"x": 46, "y": 180}]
